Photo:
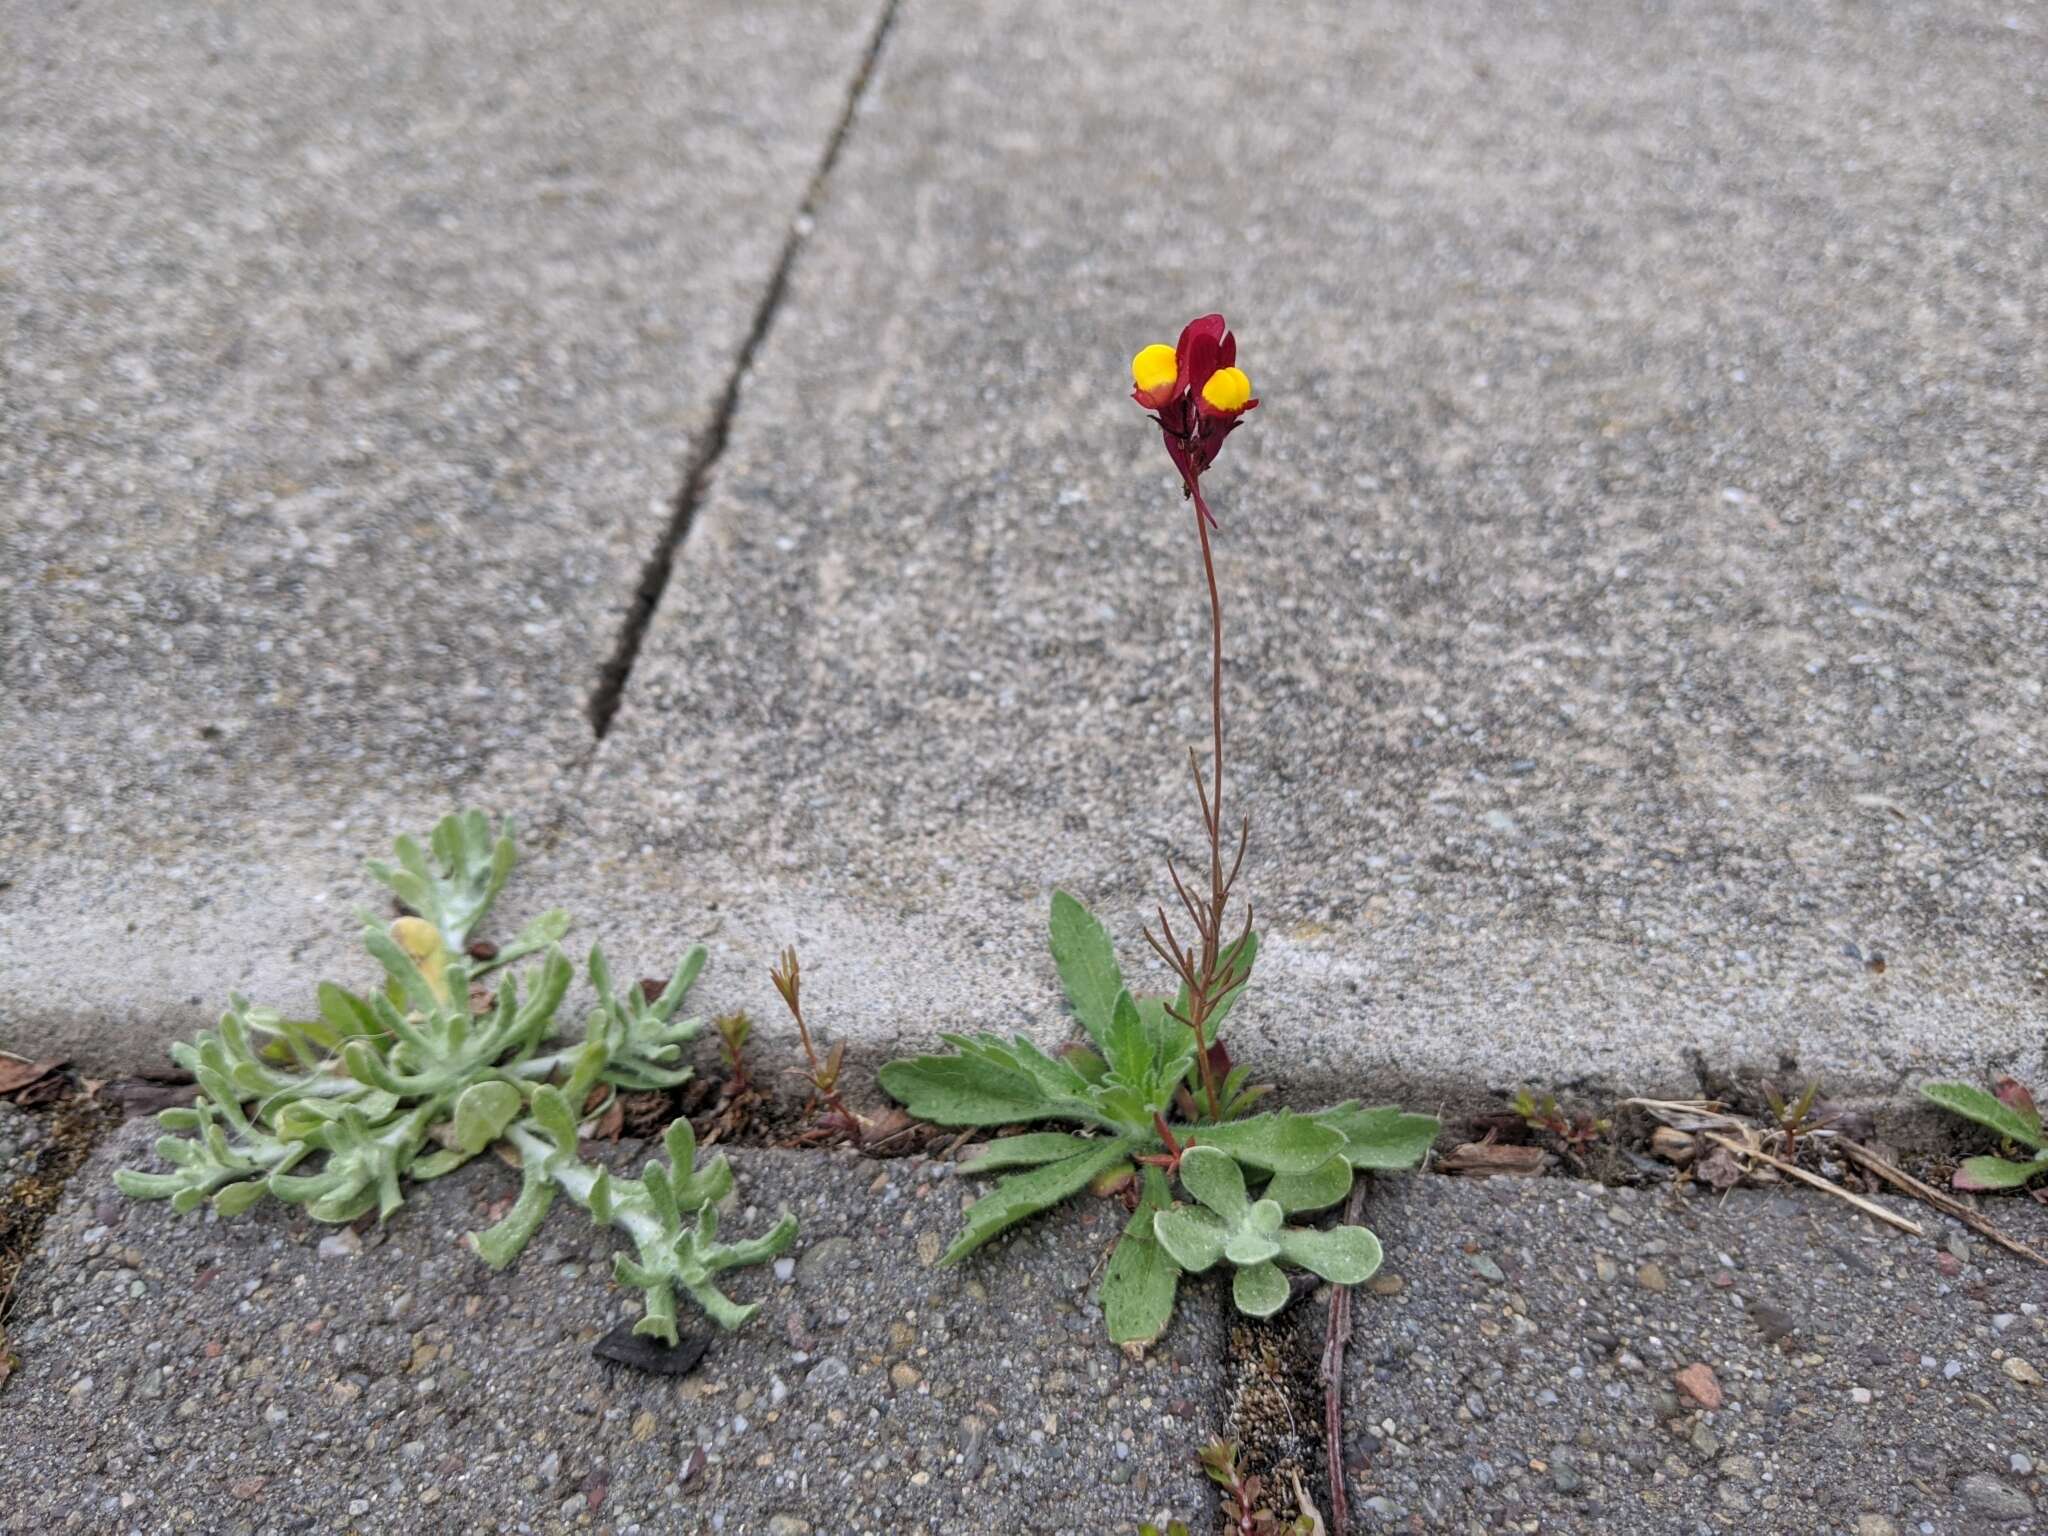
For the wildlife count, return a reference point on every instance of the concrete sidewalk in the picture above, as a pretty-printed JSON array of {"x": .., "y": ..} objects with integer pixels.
[
  {"x": 1634, "y": 576},
  {"x": 350, "y": 359}
]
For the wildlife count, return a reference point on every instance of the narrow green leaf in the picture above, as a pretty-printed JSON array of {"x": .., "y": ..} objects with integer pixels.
[
  {"x": 1973, "y": 1103},
  {"x": 1027, "y": 1151},
  {"x": 1127, "y": 1047},
  {"x": 1259, "y": 1290},
  {"x": 1139, "y": 1287},
  {"x": 1985, "y": 1173},
  {"x": 1386, "y": 1137},
  {"x": 1025, "y": 1194},
  {"x": 964, "y": 1090},
  {"x": 1087, "y": 965}
]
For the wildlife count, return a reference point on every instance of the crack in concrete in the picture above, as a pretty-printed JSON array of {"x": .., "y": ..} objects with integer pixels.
[{"x": 654, "y": 575}]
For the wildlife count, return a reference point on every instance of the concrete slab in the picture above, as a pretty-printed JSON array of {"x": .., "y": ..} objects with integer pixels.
[
  {"x": 1520, "y": 1360},
  {"x": 1634, "y": 576},
  {"x": 234, "y": 1377},
  {"x": 349, "y": 362}
]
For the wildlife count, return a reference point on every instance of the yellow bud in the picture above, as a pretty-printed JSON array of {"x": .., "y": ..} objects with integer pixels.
[
  {"x": 1154, "y": 369},
  {"x": 1227, "y": 390}
]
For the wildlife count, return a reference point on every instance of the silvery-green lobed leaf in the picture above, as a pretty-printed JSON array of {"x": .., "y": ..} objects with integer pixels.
[
  {"x": 1259, "y": 1290},
  {"x": 1300, "y": 1193},
  {"x": 1342, "y": 1255},
  {"x": 1193, "y": 1237}
]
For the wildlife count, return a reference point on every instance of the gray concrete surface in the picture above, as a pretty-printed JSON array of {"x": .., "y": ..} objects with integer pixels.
[
  {"x": 240, "y": 1377},
  {"x": 350, "y": 358},
  {"x": 1515, "y": 1366},
  {"x": 1634, "y": 575}
]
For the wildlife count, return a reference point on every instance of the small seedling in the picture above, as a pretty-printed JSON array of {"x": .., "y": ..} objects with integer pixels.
[
  {"x": 426, "y": 1073},
  {"x": 1154, "y": 1092},
  {"x": 733, "y": 1031},
  {"x": 2010, "y": 1111},
  {"x": 1798, "y": 1118},
  {"x": 1542, "y": 1113},
  {"x": 822, "y": 1074},
  {"x": 1244, "y": 1508}
]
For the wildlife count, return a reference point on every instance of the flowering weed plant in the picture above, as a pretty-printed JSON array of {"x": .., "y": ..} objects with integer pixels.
[{"x": 1153, "y": 1096}]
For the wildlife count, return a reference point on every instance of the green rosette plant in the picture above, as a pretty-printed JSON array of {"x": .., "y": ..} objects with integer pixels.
[
  {"x": 430, "y": 1070},
  {"x": 1154, "y": 1086}
]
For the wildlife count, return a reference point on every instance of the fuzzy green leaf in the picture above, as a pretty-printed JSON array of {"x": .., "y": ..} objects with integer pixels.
[
  {"x": 1140, "y": 1285},
  {"x": 1259, "y": 1290},
  {"x": 1026, "y": 1194},
  {"x": 989, "y": 1083},
  {"x": 1342, "y": 1255},
  {"x": 499, "y": 1245},
  {"x": 482, "y": 1112},
  {"x": 1977, "y": 1174},
  {"x": 1387, "y": 1137},
  {"x": 1254, "y": 1241},
  {"x": 1279, "y": 1142},
  {"x": 1213, "y": 1177},
  {"x": 1973, "y": 1103},
  {"x": 1192, "y": 1237},
  {"x": 1298, "y": 1193},
  {"x": 1082, "y": 953},
  {"x": 1027, "y": 1151},
  {"x": 1127, "y": 1047}
]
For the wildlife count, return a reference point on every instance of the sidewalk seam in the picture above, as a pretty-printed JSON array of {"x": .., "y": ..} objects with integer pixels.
[{"x": 654, "y": 574}]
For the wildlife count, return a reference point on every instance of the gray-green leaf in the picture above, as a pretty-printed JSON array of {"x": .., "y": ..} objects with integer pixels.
[
  {"x": 1026, "y": 1194},
  {"x": 1342, "y": 1255},
  {"x": 1087, "y": 965},
  {"x": 1140, "y": 1285},
  {"x": 1298, "y": 1193},
  {"x": 1973, "y": 1103},
  {"x": 1280, "y": 1142},
  {"x": 1387, "y": 1137},
  {"x": 1259, "y": 1290}
]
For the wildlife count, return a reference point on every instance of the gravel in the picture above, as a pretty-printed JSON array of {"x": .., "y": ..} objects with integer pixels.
[
  {"x": 233, "y": 1377},
  {"x": 1611, "y": 1406}
]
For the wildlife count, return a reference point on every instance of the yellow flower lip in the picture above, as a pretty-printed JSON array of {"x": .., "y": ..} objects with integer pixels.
[
  {"x": 1155, "y": 369},
  {"x": 1228, "y": 389}
]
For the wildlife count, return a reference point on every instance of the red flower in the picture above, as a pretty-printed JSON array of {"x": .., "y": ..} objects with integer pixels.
[{"x": 1197, "y": 394}]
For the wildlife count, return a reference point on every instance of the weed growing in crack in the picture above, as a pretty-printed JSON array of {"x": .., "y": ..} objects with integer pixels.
[
  {"x": 1540, "y": 1112},
  {"x": 1154, "y": 1093},
  {"x": 435, "y": 1067},
  {"x": 827, "y": 1106},
  {"x": 2010, "y": 1111}
]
